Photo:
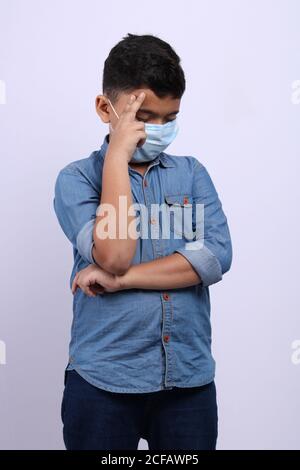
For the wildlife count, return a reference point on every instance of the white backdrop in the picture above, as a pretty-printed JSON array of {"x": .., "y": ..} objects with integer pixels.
[{"x": 239, "y": 116}]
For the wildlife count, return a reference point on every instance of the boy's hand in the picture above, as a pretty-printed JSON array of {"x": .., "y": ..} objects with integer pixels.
[
  {"x": 128, "y": 132},
  {"x": 93, "y": 280}
]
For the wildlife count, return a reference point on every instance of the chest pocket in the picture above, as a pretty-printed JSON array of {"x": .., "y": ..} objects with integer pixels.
[{"x": 179, "y": 211}]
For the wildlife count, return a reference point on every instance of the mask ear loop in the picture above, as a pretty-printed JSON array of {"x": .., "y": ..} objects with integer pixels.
[
  {"x": 110, "y": 126},
  {"x": 113, "y": 108}
]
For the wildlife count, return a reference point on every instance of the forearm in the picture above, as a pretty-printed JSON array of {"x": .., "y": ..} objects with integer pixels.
[
  {"x": 117, "y": 250},
  {"x": 169, "y": 272}
]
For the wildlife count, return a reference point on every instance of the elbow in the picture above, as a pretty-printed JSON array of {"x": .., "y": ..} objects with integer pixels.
[
  {"x": 117, "y": 267},
  {"x": 116, "y": 264}
]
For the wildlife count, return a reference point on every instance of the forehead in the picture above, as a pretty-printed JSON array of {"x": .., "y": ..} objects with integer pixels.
[{"x": 152, "y": 102}]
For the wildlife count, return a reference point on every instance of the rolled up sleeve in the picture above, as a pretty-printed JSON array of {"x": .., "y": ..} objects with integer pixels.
[
  {"x": 75, "y": 203},
  {"x": 210, "y": 253}
]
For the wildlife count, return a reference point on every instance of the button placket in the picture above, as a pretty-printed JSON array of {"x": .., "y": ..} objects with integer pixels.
[
  {"x": 166, "y": 335},
  {"x": 153, "y": 222},
  {"x": 167, "y": 307}
]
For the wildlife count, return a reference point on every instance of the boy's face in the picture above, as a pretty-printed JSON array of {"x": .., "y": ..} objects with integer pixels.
[{"x": 153, "y": 110}]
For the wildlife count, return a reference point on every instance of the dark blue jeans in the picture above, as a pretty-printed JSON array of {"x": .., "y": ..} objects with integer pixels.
[{"x": 175, "y": 419}]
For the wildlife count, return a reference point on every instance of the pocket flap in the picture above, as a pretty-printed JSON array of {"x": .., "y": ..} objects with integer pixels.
[{"x": 184, "y": 200}]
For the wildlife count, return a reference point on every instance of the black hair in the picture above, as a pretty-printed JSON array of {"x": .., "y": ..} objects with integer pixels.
[{"x": 144, "y": 61}]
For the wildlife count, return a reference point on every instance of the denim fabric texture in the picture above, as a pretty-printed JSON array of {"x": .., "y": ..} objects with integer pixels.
[{"x": 140, "y": 340}]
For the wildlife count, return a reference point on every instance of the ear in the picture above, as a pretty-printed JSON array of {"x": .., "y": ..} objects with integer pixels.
[{"x": 101, "y": 106}]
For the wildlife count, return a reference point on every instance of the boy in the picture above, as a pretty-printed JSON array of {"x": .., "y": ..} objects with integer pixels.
[{"x": 140, "y": 362}]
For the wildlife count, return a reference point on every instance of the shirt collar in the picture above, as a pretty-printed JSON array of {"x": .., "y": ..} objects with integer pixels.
[{"x": 162, "y": 157}]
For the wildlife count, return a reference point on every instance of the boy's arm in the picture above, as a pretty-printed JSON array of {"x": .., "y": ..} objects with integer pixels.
[
  {"x": 75, "y": 204},
  {"x": 194, "y": 263},
  {"x": 210, "y": 253},
  {"x": 76, "y": 199},
  {"x": 114, "y": 254},
  {"x": 170, "y": 272},
  {"x": 203, "y": 260}
]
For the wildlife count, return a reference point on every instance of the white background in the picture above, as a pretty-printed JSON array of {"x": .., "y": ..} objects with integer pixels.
[{"x": 237, "y": 117}]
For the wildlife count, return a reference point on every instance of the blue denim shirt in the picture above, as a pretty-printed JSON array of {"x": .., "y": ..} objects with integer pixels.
[{"x": 142, "y": 340}]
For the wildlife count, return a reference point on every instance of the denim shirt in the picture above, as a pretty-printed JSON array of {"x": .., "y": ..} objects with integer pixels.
[{"x": 143, "y": 340}]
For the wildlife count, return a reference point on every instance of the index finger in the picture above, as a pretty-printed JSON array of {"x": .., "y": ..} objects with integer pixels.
[{"x": 132, "y": 107}]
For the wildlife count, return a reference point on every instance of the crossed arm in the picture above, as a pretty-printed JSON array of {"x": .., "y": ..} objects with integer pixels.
[
  {"x": 189, "y": 265},
  {"x": 170, "y": 272},
  {"x": 115, "y": 255}
]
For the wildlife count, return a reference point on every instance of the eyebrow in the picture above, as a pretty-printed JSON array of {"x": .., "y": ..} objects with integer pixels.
[{"x": 151, "y": 113}]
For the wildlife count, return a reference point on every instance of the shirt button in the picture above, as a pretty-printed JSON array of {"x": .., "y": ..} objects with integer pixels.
[
  {"x": 145, "y": 183},
  {"x": 166, "y": 338},
  {"x": 166, "y": 296},
  {"x": 153, "y": 221}
]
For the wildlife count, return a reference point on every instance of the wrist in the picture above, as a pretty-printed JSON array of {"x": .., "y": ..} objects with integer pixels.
[
  {"x": 125, "y": 280},
  {"x": 118, "y": 154}
]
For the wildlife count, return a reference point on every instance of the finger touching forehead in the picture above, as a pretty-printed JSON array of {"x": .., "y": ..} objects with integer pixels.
[{"x": 152, "y": 105}]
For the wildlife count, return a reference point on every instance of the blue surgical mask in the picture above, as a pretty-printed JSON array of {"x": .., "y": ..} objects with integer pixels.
[{"x": 159, "y": 137}]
